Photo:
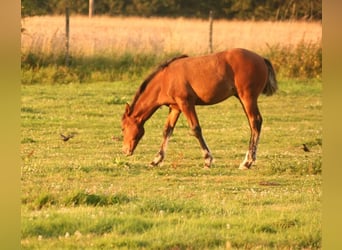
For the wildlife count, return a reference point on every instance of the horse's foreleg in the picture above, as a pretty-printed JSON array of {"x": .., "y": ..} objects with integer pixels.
[
  {"x": 191, "y": 116},
  {"x": 255, "y": 122},
  {"x": 167, "y": 132},
  {"x": 208, "y": 158}
]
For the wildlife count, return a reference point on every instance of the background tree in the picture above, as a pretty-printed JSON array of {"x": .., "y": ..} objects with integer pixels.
[{"x": 227, "y": 9}]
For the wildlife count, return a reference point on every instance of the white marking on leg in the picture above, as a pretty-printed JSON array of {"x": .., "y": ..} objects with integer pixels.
[
  {"x": 161, "y": 154},
  {"x": 246, "y": 162},
  {"x": 208, "y": 158}
]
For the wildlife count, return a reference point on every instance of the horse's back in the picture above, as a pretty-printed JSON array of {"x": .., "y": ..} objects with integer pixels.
[
  {"x": 245, "y": 60},
  {"x": 213, "y": 78},
  {"x": 206, "y": 79}
]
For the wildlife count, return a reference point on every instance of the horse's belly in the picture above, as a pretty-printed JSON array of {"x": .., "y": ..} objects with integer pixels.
[{"x": 216, "y": 93}]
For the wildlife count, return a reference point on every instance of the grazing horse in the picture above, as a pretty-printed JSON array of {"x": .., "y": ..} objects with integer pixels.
[{"x": 184, "y": 82}]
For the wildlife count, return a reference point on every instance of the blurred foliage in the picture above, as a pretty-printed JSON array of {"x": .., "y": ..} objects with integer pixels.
[
  {"x": 301, "y": 61},
  {"x": 227, "y": 9}
]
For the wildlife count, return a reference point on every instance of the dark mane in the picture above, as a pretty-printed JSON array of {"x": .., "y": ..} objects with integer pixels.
[{"x": 151, "y": 76}]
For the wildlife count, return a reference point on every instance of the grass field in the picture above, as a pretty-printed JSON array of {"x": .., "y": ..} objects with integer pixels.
[{"x": 84, "y": 194}]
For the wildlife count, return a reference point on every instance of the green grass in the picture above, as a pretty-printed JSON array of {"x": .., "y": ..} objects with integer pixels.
[
  {"x": 85, "y": 194},
  {"x": 300, "y": 61},
  {"x": 50, "y": 69}
]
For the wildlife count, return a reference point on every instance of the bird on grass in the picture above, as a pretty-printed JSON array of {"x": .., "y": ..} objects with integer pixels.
[
  {"x": 305, "y": 148},
  {"x": 67, "y": 137}
]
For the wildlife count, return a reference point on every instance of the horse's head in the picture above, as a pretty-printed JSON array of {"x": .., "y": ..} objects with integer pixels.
[{"x": 132, "y": 131}]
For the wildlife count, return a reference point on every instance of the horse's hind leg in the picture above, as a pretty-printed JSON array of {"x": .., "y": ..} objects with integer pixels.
[
  {"x": 255, "y": 121},
  {"x": 168, "y": 129}
]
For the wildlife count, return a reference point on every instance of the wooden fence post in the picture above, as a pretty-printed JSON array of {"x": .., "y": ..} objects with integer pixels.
[
  {"x": 91, "y": 8},
  {"x": 210, "y": 49},
  {"x": 67, "y": 27}
]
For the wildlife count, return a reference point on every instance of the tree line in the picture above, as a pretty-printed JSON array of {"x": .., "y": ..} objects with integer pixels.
[{"x": 225, "y": 9}]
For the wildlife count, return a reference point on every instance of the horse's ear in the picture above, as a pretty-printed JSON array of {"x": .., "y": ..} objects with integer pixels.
[{"x": 127, "y": 109}]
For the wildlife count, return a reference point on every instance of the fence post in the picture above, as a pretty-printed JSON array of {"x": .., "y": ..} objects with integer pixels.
[
  {"x": 91, "y": 8},
  {"x": 210, "y": 49},
  {"x": 67, "y": 26}
]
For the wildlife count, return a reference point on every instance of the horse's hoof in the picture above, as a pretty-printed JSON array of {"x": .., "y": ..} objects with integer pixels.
[
  {"x": 243, "y": 167},
  {"x": 246, "y": 164},
  {"x": 157, "y": 160},
  {"x": 154, "y": 164}
]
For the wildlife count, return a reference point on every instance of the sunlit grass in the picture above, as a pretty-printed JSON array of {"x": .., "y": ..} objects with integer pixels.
[
  {"x": 84, "y": 193},
  {"x": 115, "y": 35}
]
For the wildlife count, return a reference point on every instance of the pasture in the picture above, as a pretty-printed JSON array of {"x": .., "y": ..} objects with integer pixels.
[
  {"x": 83, "y": 193},
  {"x": 115, "y": 35}
]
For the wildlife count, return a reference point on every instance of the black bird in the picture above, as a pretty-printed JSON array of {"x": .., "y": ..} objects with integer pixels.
[
  {"x": 66, "y": 137},
  {"x": 305, "y": 148}
]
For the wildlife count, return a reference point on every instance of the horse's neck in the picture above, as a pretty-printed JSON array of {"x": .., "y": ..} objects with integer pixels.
[{"x": 146, "y": 104}]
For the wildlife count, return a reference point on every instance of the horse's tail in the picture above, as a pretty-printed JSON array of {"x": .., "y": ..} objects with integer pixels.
[{"x": 271, "y": 84}]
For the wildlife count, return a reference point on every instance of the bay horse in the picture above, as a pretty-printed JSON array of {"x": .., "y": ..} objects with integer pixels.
[{"x": 184, "y": 82}]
